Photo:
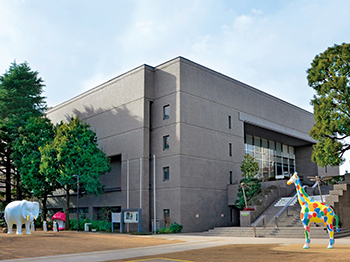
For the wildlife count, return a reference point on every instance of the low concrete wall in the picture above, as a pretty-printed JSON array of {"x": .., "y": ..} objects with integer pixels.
[{"x": 281, "y": 190}]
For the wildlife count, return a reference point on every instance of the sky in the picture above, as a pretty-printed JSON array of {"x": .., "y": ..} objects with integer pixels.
[{"x": 77, "y": 45}]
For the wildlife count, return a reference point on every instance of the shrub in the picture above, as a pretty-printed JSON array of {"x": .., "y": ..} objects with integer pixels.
[
  {"x": 173, "y": 228},
  {"x": 98, "y": 225}
]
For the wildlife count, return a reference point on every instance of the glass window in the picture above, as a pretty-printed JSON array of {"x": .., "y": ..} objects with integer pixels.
[
  {"x": 278, "y": 149},
  {"x": 249, "y": 143},
  {"x": 285, "y": 151},
  {"x": 229, "y": 122},
  {"x": 279, "y": 169},
  {"x": 291, "y": 152},
  {"x": 230, "y": 149},
  {"x": 166, "y": 173},
  {"x": 166, "y": 112},
  {"x": 166, "y": 216},
  {"x": 231, "y": 178},
  {"x": 274, "y": 158},
  {"x": 257, "y": 141},
  {"x": 165, "y": 142}
]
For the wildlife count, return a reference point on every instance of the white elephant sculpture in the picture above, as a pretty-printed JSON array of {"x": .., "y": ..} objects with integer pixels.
[{"x": 20, "y": 212}]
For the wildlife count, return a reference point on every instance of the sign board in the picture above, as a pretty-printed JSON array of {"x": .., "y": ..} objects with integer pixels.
[
  {"x": 131, "y": 217},
  {"x": 116, "y": 217}
]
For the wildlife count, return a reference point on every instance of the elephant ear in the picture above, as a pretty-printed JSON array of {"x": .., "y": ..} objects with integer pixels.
[
  {"x": 36, "y": 209},
  {"x": 23, "y": 209}
]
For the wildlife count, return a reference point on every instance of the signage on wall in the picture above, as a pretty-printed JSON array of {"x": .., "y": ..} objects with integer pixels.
[{"x": 131, "y": 217}]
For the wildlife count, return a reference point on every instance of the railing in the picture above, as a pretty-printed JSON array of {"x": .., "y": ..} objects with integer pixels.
[
  {"x": 261, "y": 218},
  {"x": 288, "y": 203}
]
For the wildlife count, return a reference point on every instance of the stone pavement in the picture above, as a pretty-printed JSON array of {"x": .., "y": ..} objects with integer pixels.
[{"x": 191, "y": 242}]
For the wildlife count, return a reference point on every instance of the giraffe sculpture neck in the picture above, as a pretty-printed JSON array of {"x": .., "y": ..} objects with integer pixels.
[{"x": 302, "y": 195}]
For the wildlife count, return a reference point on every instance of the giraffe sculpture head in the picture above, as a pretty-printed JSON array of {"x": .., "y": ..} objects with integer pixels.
[{"x": 293, "y": 179}]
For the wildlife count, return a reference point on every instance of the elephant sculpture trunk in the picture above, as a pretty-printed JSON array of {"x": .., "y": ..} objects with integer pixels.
[{"x": 19, "y": 213}]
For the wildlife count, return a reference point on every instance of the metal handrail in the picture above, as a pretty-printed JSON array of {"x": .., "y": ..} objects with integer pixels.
[
  {"x": 288, "y": 204},
  {"x": 263, "y": 218}
]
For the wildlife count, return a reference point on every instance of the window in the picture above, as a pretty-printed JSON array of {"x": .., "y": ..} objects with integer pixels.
[
  {"x": 231, "y": 178},
  {"x": 165, "y": 142},
  {"x": 229, "y": 122},
  {"x": 166, "y": 173},
  {"x": 166, "y": 216},
  {"x": 81, "y": 210},
  {"x": 230, "y": 149},
  {"x": 275, "y": 159},
  {"x": 166, "y": 112}
]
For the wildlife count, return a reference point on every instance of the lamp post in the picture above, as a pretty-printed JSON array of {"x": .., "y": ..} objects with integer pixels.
[{"x": 77, "y": 202}]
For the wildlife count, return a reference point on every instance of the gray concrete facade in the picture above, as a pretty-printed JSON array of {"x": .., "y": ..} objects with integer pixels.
[{"x": 127, "y": 115}]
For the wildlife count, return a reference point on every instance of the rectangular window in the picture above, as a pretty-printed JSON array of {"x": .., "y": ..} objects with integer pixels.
[
  {"x": 81, "y": 210},
  {"x": 166, "y": 217},
  {"x": 231, "y": 178},
  {"x": 166, "y": 173},
  {"x": 166, "y": 114},
  {"x": 230, "y": 149},
  {"x": 165, "y": 142},
  {"x": 229, "y": 122}
]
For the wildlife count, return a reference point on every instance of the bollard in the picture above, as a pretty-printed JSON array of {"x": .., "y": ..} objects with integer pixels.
[
  {"x": 55, "y": 226},
  {"x": 86, "y": 226},
  {"x": 32, "y": 227},
  {"x": 44, "y": 226}
]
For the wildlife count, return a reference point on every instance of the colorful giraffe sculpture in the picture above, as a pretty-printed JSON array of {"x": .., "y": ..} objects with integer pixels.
[{"x": 313, "y": 211}]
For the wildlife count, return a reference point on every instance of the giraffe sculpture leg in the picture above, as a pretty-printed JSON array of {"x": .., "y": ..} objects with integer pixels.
[
  {"x": 307, "y": 235},
  {"x": 329, "y": 226}
]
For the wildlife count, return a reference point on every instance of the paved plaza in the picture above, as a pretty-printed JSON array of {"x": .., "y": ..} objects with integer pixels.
[{"x": 187, "y": 247}]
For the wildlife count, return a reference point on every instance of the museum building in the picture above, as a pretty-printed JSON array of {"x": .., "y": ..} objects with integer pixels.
[{"x": 189, "y": 127}]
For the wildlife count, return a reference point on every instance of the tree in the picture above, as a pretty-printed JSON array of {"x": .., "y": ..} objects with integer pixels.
[
  {"x": 74, "y": 151},
  {"x": 20, "y": 98},
  {"x": 249, "y": 185},
  {"x": 249, "y": 167},
  {"x": 329, "y": 77},
  {"x": 36, "y": 133}
]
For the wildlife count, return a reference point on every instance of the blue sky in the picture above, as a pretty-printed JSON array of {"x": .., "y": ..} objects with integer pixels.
[{"x": 76, "y": 45}]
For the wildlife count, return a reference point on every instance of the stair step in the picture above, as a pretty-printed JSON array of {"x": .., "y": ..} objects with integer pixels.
[
  {"x": 280, "y": 232},
  {"x": 340, "y": 187},
  {"x": 336, "y": 192}
]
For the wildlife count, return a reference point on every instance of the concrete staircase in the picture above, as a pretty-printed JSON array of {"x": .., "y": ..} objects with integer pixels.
[
  {"x": 278, "y": 232},
  {"x": 289, "y": 224},
  {"x": 334, "y": 195}
]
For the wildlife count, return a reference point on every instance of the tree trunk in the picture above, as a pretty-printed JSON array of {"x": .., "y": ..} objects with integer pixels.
[
  {"x": 67, "y": 210},
  {"x": 44, "y": 211},
  {"x": 18, "y": 187},
  {"x": 8, "y": 179}
]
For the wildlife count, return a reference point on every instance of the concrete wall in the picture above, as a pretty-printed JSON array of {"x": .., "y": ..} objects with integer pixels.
[{"x": 118, "y": 111}]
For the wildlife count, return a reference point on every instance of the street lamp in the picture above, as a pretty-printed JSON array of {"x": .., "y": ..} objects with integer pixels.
[{"x": 77, "y": 202}]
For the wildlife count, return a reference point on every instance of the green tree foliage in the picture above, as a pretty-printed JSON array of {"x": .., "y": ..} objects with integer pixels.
[
  {"x": 20, "y": 98},
  {"x": 329, "y": 77},
  {"x": 36, "y": 133},
  {"x": 74, "y": 151},
  {"x": 252, "y": 188},
  {"x": 249, "y": 166}
]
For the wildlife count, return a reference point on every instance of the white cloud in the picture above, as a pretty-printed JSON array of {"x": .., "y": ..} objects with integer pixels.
[
  {"x": 256, "y": 12},
  {"x": 243, "y": 23}
]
